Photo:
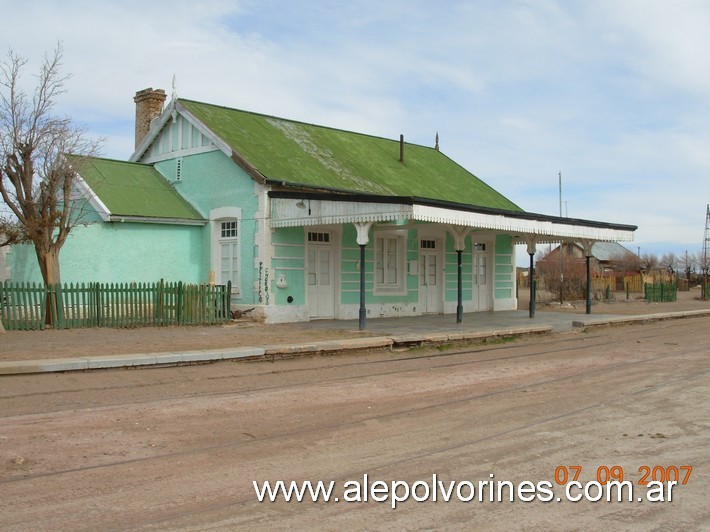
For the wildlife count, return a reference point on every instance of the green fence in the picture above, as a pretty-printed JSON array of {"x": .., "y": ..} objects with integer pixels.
[
  {"x": 24, "y": 306},
  {"x": 660, "y": 292}
]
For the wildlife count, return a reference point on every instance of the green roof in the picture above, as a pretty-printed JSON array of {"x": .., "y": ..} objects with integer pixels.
[
  {"x": 133, "y": 189},
  {"x": 315, "y": 156}
]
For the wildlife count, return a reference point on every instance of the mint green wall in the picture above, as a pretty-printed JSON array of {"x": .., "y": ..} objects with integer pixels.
[
  {"x": 212, "y": 180},
  {"x": 288, "y": 260},
  {"x": 110, "y": 252},
  {"x": 87, "y": 214},
  {"x": 349, "y": 258},
  {"x": 504, "y": 267},
  {"x": 412, "y": 255},
  {"x": 452, "y": 278},
  {"x": 350, "y": 255}
]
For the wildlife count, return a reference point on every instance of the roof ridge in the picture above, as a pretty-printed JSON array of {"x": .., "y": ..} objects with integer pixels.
[
  {"x": 311, "y": 124},
  {"x": 111, "y": 159}
]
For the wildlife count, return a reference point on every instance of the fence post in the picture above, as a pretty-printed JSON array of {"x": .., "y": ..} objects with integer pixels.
[
  {"x": 159, "y": 303},
  {"x": 178, "y": 305},
  {"x": 97, "y": 304},
  {"x": 57, "y": 306}
]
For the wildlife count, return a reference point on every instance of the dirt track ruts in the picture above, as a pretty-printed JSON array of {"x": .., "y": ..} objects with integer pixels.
[{"x": 179, "y": 447}]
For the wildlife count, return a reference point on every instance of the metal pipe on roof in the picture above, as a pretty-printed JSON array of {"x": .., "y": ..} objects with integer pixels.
[{"x": 401, "y": 148}]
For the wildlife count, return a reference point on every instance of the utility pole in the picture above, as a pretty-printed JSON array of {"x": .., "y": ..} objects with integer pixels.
[
  {"x": 562, "y": 270},
  {"x": 706, "y": 253}
]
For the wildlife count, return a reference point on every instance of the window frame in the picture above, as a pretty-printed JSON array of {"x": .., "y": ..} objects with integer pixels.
[
  {"x": 229, "y": 215},
  {"x": 232, "y": 240},
  {"x": 382, "y": 287}
]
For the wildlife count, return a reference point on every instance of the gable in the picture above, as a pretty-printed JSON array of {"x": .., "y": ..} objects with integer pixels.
[
  {"x": 177, "y": 136},
  {"x": 300, "y": 154},
  {"x": 133, "y": 190}
]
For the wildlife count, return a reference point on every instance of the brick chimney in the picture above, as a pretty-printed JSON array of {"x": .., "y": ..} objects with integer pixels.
[{"x": 149, "y": 105}]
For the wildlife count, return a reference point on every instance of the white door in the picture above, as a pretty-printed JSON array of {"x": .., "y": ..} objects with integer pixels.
[
  {"x": 228, "y": 249},
  {"x": 429, "y": 277},
  {"x": 481, "y": 277},
  {"x": 319, "y": 275}
]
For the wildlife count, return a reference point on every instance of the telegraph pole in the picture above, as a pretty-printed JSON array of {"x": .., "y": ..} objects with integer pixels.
[
  {"x": 706, "y": 253},
  {"x": 562, "y": 271}
]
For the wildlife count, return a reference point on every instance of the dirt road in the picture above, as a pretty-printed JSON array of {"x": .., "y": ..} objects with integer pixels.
[
  {"x": 179, "y": 448},
  {"x": 32, "y": 345}
]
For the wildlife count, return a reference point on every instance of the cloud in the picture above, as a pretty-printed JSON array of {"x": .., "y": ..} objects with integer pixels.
[
  {"x": 612, "y": 94},
  {"x": 668, "y": 40}
]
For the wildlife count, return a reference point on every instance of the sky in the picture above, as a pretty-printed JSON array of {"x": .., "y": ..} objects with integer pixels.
[{"x": 613, "y": 95}]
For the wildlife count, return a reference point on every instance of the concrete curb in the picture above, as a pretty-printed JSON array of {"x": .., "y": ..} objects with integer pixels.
[
  {"x": 646, "y": 318},
  {"x": 281, "y": 351},
  {"x": 49, "y": 365}
]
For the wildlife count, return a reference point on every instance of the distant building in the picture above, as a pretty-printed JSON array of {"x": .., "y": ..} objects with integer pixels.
[{"x": 606, "y": 256}]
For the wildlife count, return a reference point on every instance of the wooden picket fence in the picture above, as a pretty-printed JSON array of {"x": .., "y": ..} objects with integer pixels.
[
  {"x": 660, "y": 292},
  {"x": 24, "y": 306}
]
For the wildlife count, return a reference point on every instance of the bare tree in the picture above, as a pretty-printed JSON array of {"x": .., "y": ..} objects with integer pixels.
[
  {"x": 649, "y": 262},
  {"x": 36, "y": 173},
  {"x": 670, "y": 262},
  {"x": 688, "y": 266},
  {"x": 626, "y": 262}
]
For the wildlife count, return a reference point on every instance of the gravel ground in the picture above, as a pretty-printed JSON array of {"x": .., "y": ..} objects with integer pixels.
[{"x": 31, "y": 345}]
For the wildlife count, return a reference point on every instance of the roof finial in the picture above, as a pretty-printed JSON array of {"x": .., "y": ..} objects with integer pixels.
[
  {"x": 436, "y": 145},
  {"x": 174, "y": 88}
]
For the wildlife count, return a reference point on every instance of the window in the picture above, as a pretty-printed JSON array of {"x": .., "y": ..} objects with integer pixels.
[
  {"x": 228, "y": 246},
  {"x": 229, "y": 229},
  {"x": 390, "y": 263},
  {"x": 479, "y": 270},
  {"x": 480, "y": 264},
  {"x": 427, "y": 244},
  {"x": 318, "y": 237}
]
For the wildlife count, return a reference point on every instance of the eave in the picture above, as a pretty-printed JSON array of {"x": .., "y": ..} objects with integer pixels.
[
  {"x": 153, "y": 220},
  {"x": 328, "y": 209}
]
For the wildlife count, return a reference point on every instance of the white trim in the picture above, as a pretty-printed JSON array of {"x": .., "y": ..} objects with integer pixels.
[
  {"x": 202, "y": 128},
  {"x": 150, "y": 220},
  {"x": 98, "y": 205},
  {"x": 180, "y": 153},
  {"x": 155, "y": 131},
  {"x": 489, "y": 254},
  {"x": 217, "y": 216},
  {"x": 436, "y": 234},
  {"x": 284, "y": 213},
  {"x": 383, "y": 289},
  {"x": 334, "y": 243}
]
